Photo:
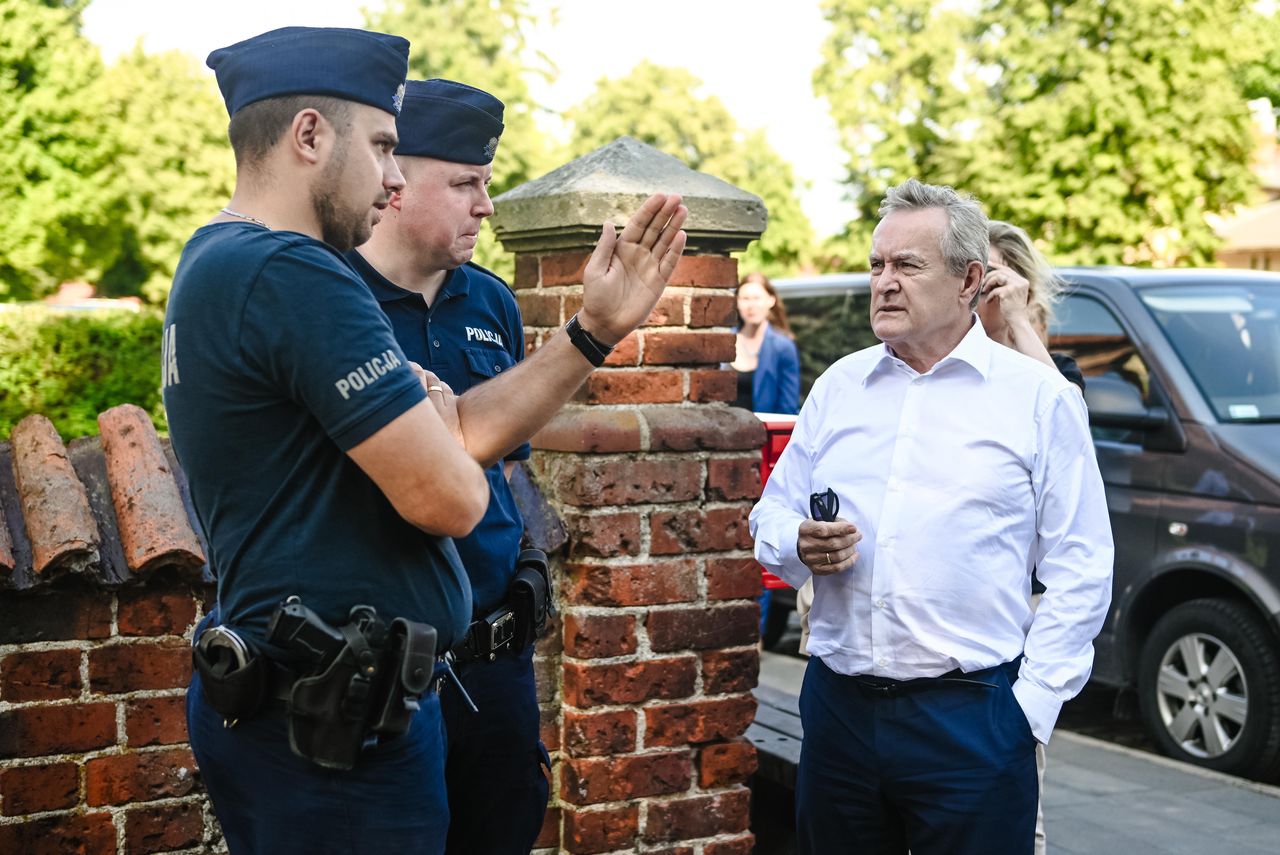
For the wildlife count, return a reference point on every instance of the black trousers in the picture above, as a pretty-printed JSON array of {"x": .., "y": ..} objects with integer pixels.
[{"x": 944, "y": 770}]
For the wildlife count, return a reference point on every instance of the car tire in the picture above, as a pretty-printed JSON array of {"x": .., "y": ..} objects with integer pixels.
[
  {"x": 775, "y": 624},
  {"x": 1209, "y": 688}
]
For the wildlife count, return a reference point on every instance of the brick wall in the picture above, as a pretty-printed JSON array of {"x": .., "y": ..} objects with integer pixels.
[
  {"x": 93, "y": 753},
  {"x": 646, "y": 689}
]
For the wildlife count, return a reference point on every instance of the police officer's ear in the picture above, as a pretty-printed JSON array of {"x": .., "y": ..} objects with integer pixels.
[{"x": 307, "y": 135}]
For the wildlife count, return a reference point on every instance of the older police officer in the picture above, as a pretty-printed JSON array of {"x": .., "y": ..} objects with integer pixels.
[
  {"x": 322, "y": 471},
  {"x": 461, "y": 322}
]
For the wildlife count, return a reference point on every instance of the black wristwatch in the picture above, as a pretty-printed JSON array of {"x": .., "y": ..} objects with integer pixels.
[{"x": 591, "y": 347}]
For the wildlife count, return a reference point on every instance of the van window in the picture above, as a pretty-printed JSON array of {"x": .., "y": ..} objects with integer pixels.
[
  {"x": 1088, "y": 331},
  {"x": 1228, "y": 337},
  {"x": 827, "y": 328}
]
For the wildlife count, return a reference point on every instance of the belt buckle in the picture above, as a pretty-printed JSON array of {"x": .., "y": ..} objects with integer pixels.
[
  {"x": 502, "y": 633},
  {"x": 492, "y": 634}
]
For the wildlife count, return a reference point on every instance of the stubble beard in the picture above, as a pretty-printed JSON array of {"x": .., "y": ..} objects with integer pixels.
[{"x": 341, "y": 226}]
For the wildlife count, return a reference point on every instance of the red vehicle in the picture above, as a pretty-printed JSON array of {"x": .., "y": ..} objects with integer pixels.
[{"x": 782, "y": 597}]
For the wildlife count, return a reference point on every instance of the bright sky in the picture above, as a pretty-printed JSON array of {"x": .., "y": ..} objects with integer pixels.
[{"x": 757, "y": 56}]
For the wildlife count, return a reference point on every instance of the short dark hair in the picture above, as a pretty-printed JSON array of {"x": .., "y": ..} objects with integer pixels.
[{"x": 256, "y": 128}]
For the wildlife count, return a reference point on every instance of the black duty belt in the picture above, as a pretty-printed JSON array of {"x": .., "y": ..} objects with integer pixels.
[
  {"x": 344, "y": 687},
  {"x": 519, "y": 621}
]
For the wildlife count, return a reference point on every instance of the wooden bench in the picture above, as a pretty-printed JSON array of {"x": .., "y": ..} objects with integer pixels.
[{"x": 776, "y": 734}]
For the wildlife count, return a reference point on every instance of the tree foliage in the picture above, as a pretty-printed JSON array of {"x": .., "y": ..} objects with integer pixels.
[
  {"x": 1106, "y": 129},
  {"x": 52, "y": 148},
  {"x": 481, "y": 45},
  {"x": 1261, "y": 78},
  {"x": 171, "y": 167},
  {"x": 105, "y": 171},
  {"x": 660, "y": 106}
]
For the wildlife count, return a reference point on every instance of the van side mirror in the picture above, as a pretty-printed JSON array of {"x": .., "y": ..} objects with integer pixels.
[{"x": 1115, "y": 403}]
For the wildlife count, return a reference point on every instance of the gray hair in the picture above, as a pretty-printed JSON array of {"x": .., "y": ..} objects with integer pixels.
[{"x": 965, "y": 239}]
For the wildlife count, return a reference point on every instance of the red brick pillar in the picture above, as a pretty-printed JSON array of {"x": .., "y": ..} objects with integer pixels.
[{"x": 647, "y": 691}]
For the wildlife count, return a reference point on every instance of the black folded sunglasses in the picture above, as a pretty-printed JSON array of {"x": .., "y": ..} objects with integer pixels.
[{"x": 824, "y": 507}]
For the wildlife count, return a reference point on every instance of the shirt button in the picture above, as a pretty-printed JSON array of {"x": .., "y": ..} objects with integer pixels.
[
  {"x": 880, "y": 603},
  {"x": 435, "y": 343},
  {"x": 882, "y": 662},
  {"x": 497, "y": 368}
]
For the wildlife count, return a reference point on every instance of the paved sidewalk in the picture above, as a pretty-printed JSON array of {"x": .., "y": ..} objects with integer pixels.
[{"x": 1104, "y": 799}]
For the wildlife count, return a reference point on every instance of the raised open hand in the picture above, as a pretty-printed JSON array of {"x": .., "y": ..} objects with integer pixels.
[{"x": 628, "y": 272}]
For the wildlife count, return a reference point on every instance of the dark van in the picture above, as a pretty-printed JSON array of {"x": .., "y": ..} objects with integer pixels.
[{"x": 1182, "y": 373}]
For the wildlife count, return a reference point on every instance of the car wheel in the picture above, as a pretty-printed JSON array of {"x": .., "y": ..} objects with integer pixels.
[
  {"x": 1209, "y": 688},
  {"x": 775, "y": 624}
]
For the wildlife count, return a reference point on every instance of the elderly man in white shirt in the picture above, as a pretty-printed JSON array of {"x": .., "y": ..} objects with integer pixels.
[{"x": 960, "y": 465}]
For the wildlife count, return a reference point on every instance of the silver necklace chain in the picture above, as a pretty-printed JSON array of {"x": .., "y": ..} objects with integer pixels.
[{"x": 254, "y": 220}]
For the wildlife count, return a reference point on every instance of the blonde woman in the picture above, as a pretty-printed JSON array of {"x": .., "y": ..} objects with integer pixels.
[{"x": 1015, "y": 303}]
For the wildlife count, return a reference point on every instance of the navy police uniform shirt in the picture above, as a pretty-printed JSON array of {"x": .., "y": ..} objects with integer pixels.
[
  {"x": 471, "y": 333},
  {"x": 276, "y": 362}
]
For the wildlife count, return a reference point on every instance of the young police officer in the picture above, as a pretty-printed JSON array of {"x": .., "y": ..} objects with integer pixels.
[
  {"x": 461, "y": 323},
  {"x": 320, "y": 468}
]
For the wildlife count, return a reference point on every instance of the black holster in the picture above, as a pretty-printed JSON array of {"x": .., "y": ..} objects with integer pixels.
[
  {"x": 370, "y": 689},
  {"x": 530, "y": 597}
]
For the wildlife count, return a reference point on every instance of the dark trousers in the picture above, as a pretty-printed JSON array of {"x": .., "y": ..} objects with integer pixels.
[
  {"x": 267, "y": 799},
  {"x": 946, "y": 770},
  {"x": 497, "y": 767}
]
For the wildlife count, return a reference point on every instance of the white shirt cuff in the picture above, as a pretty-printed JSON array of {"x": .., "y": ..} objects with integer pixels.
[
  {"x": 776, "y": 549},
  {"x": 1040, "y": 706}
]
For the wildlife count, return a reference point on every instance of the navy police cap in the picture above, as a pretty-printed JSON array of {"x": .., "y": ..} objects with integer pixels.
[
  {"x": 449, "y": 121},
  {"x": 355, "y": 65}
]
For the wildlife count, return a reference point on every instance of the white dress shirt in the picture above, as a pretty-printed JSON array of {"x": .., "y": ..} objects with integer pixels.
[{"x": 962, "y": 480}]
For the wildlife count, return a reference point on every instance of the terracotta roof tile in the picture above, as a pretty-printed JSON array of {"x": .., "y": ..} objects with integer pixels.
[
  {"x": 117, "y": 515},
  {"x": 11, "y": 508},
  {"x": 55, "y": 507},
  {"x": 152, "y": 520}
]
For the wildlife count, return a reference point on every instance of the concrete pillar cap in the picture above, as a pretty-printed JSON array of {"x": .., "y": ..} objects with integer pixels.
[{"x": 564, "y": 209}]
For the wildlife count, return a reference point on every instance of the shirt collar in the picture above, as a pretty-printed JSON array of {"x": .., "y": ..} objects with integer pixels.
[
  {"x": 456, "y": 283},
  {"x": 973, "y": 350}
]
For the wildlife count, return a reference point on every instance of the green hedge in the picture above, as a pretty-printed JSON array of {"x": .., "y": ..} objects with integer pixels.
[{"x": 72, "y": 366}]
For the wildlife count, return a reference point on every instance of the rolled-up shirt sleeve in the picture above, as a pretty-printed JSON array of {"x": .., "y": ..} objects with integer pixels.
[
  {"x": 784, "y": 504},
  {"x": 1074, "y": 558}
]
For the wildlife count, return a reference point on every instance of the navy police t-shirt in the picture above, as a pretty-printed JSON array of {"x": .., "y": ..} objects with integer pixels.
[
  {"x": 470, "y": 333},
  {"x": 276, "y": 362}
]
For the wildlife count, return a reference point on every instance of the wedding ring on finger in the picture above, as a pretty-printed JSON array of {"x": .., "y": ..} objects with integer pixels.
[
  {"x": 829, "y": 561},
  {"x": 435, "y": 388}
]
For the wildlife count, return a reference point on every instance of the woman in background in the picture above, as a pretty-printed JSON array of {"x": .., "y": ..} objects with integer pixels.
[
  {"x": 767, "y": 360},
  {"x": 1015, "y": 302},
  {"x": 1015, "y": 305},
  {"x": 768, "y": 366}
]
